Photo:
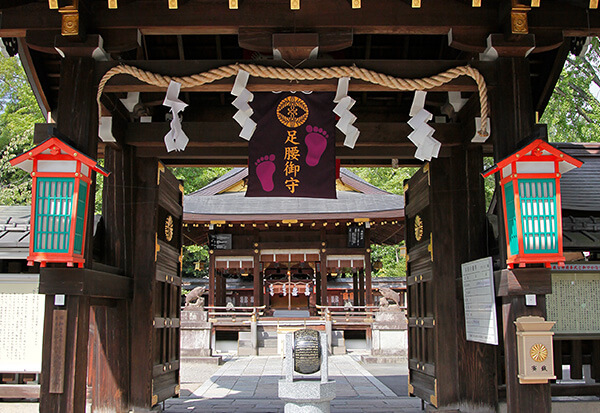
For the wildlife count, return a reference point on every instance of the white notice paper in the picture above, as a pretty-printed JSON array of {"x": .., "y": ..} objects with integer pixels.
[
  {"x": 480, "y": 301},
  {"x": 21, "y": 323}
]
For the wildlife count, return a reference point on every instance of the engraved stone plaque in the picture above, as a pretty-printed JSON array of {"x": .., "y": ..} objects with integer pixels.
[{"x": 307, "y": 351}]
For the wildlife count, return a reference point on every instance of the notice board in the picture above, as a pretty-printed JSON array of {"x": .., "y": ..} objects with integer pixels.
[
  {"x": 21, "y": 323},
  {"x": 480, "y": 301}
]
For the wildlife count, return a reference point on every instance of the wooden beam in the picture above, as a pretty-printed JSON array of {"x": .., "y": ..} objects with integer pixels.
[
  {"x": 200, "y": 17},
  {"x": 410, "y": 69},
  {"x": 85, "y": 282},
  {"x": 225, "y": 134},
  {"x": 152, "y": 17}
]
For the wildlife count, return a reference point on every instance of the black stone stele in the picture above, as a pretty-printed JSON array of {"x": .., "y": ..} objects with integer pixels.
[{"x": 307, "y": 351}]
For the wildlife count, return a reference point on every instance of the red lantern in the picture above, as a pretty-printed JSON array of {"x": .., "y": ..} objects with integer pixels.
[
  {"x": 60, "y": 197},
  {"x": 530, "y": 181}
]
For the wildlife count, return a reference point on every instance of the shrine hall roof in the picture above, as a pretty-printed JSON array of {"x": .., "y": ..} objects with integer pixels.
[
  {"x": 364, "y": 200},
  {"x": 580, "y": 187},
  {"x": 14, "y": 231}
]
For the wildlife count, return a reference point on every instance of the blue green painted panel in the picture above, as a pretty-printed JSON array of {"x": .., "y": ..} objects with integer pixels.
[
  {"x": 53, "y": 214},
  {"x": 539, "y": 217}
]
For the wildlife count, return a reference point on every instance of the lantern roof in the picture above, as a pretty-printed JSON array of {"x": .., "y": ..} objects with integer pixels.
[
  {"x": 54, "y": 146},
  {"x": 537, "y": 148}
]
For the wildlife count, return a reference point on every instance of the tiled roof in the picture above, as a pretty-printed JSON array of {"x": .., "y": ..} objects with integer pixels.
[
  {"x": 370, "y": 199},
  {"x": 580, "y": 188},
  {"x": 14, "y": 232}
]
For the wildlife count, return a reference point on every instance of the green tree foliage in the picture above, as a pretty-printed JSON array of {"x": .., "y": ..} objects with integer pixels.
[
  {"x": 196, "y": 178},
  {"x": 19, "y": 112},
  {"x": 390, "y": 180},
  {"x": 573, "y": 113}
]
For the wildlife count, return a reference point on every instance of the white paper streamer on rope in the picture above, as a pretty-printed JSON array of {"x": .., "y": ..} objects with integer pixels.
[
  {"x": 175, "y": 139},
  {"x": 418, "y": 102},
  {"x": 242, "y": 116},
  {"x": 422, "y": 136},
  {"x": 346, "y": 122}
]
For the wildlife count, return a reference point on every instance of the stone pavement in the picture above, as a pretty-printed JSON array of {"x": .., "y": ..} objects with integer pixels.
[{"x": 249, "y": 384}]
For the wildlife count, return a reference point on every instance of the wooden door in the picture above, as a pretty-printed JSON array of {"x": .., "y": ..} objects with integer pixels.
[
  {"x": 420, "y": 288},
  {"x": 156, "y": 305},
  {"x": 167, "y": 288}
]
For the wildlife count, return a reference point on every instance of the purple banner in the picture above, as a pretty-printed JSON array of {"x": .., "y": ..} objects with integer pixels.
[{"x": 292, "y": 151}]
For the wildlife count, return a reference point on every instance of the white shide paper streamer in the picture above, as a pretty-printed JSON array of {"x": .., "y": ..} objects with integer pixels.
[
  {"x": 422, "y": 136},
  {"x": 346, "y": 122},
  {"x": 175, "y": 139},
  {"x": 242, "y": 116}
]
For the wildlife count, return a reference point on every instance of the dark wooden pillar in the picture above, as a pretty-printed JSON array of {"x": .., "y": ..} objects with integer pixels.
[
  {"x": 64, "y": 368},
  {"x": 257, "y": 285},
  {"x": 512, "y": 121},
  {"x": 476, "y": 361},
  {"x": 223, "y": 289},
  {"x": 514, "y": 284},
  {"x": 211, "y": 280},
  {"x": 368, "y": 284},
  {"x": 361, "y": 286},
  {"x": 323, "y": 257},
  {"x": 218, "y": 288},
  {"x": 355, "y": 300}
]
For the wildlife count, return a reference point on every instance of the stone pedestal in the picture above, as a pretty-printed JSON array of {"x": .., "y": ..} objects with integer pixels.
[
  {"x": 389, "y": 337},
  {"x": 307, "y": 396},
  {"x": 306, "y": 352},
  {"x": 195, "y": 333}
]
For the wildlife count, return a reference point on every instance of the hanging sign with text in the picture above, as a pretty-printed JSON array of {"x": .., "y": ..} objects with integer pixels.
[
  {"x": 292, "y": 151},
  {"x": 480, "y": 301}
]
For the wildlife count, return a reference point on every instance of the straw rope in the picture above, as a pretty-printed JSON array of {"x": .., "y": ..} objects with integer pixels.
[{"x": 290, "y": 74}]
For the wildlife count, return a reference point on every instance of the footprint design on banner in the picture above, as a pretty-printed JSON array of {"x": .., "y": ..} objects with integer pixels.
[
  {"x": 316, "y": 141},
  {"x": 265, "y": 168}
]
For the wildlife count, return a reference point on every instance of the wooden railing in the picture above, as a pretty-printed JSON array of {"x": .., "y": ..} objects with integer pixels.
[
  {"x": 234, "y": 314},
  {"x": 358, "y": 314}
]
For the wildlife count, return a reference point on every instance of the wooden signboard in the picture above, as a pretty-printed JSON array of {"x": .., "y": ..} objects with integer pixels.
[
  {"x": 220, "y": 241},
  {"x": 356, "y": 236},
  {"x": 480, "y": 301},
  {"x": 59, "y": 341}
]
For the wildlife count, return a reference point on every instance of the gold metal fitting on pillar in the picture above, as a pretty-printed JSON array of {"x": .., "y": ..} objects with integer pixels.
[
  {"x": 518, "y": 18},
  {"x": 70, "y": 19}
]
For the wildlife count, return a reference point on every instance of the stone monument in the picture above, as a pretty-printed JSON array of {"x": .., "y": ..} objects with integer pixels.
[
  {"x": 306, "y": 353},
  {"x": 389, "y": 334},
  {"x": 195, "y": 339}
]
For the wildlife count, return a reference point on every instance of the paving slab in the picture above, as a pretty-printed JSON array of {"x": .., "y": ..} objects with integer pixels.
[{"x": 249, "y": 384}]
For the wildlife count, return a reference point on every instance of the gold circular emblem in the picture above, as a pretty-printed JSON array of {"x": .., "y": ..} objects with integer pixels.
[
  {"x": 169, "y": 228},
  {"x": 418, "y": 228},
  {"x": 292, "y": 112},
  {"x": 538, "y": 352}
]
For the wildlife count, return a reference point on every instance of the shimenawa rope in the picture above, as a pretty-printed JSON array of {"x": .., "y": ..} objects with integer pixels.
[{"x": 288, "y": 74}]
